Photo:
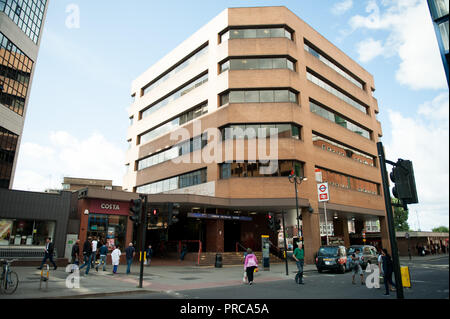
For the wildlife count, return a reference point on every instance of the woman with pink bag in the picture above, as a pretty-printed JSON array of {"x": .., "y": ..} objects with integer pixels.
[{"x": 251, "y": 262}]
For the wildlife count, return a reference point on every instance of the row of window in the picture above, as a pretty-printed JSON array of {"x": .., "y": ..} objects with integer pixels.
[
  {"x": 349, "y": 182},
  {"x": 319, "y": 110},
  {"x": 15, "y": 71},
  {"x": 257, "y": 64},
  {"x": 180, "y": 149},
  {"x": 255, "y": 33},
  {"x": 274, "y": 168},
  {"x": 192, "y": 58},
  {"x": 334, "y": 147},
  {"x": 175, "y": 95},
  {"x": 254, "y": 130},
  {"x": 333, "y": 66},
  {"x": 314, "y": 79},
  {"x": 8, "y": 146},
  {"x": 178, "y": 121},
  {"x": 27, "y": 14},
  {"x": 258, "y": 96},
  {"x": 176, "y": 182}
]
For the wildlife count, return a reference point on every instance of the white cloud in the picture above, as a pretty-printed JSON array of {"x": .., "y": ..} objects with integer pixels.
[
  {"x": 369, "y": 49},
  {"x": 42, "y": 167},
  {"x": 342, "y": 7},
  {"x": 424, "y": 139},
  {"x": 410, "y": 36}
]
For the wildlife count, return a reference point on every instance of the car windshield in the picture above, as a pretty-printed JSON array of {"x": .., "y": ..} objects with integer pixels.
[
  {"x": 352, "y": 250},
  {"x": 328, "y": 251}
]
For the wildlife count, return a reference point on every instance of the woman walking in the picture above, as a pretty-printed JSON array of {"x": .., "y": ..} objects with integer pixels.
[
  {"x": 388, "y": 268},
  {"x": 251, "y": 262},
  {"x": 115, "y": 258}
]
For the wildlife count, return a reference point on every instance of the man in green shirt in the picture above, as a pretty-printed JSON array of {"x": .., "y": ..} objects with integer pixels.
[{"x": 299, "y": 256}]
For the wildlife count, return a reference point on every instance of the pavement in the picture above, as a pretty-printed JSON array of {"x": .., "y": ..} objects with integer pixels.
[{"x": 157, "y": 278}]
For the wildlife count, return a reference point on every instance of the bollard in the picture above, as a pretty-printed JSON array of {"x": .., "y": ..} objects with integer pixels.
[
  {"x": 218, "y": 263},
  {"x": 406, "y": 279},
  {"x": 44, "y": 278}
]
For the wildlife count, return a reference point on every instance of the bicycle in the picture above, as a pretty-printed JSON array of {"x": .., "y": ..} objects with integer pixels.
[{"x": 9, "y": 280}]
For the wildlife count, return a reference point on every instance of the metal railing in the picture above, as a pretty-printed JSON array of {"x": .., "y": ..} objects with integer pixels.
[
  {"x": 24, "y": 253},
  {"x": 179, "y": 244},
  {"x": 239, "y": 245}
]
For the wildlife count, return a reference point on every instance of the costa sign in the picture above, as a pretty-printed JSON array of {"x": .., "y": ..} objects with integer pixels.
[{"x": 109, "y": 206}]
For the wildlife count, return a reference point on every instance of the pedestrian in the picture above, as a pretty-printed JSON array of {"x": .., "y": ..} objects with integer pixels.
[
  {"x": 388, "y": 269},
  {"x": 103, "y": 253},
  {"x": 380, "y": 263},
  {"x": 48, "y": 253},
  {"x": 87, "y": 254},
  {"x": 357, "y": 269},
  {"x": 299, "y": 256},
  {"x": 183, "y": 252},
  {"x": 251, "y": 262},
  {"x": 94, "y": 251},
  {"x": 149, "y": 254},
  {"x": 115, "y": 258},
  {"x": 75, "y": 255},
  {"x": 129, "y": 251}
]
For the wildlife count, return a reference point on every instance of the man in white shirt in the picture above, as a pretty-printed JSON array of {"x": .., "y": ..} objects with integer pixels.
[{"x": 94, "y": 251}]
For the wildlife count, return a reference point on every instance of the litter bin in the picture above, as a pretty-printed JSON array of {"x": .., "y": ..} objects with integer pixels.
[{"x": 218, "y": 263}]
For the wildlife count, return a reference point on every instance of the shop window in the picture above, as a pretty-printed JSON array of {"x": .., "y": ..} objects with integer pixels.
[{"x": 25, "y": 232}]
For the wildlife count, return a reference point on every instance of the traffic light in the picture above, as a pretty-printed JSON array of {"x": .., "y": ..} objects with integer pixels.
[
  {"x": 153, "y": 216},
  {"x": 136, "y": 210},
  {"x": 172, "y": 213},
  {"x": 402, "y": 176},
  {"x": 270, "y": 221}
]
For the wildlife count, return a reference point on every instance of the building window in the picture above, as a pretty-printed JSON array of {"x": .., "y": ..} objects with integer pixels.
[
  {"x": 321, "y": 111},
  {"x": 443, "y": 29},
  {"x": 190, "y": 59},
  {"x": 175, "y": 151},
  {"x": 349, "y": 182},
  {"x": 319, "y": 82},
  {"x": 25, "y": 232},
  {"x": 15, "y": 72},
  {"x": 254, "y": 169},
  {"x": 342, "y": 150},
  {"x": 332, "y": 65},
  {"x": 259, "y": 96},
  {"x": 252, "y": 33},
  {"x": 109, "y": 229},
  {"x": 254, "y": 130},
  {"x": 131, "y": 120},
  {"x": 176, "y": 182},
  {"x": 191, "y": 85},
  {"x": 8, "y": 146},
  {"x": 168, "y": 126},
  {"x": 439, "y": 8},
  {"x": 257, "y": 64},
  {"x": 27, "y": 14}
]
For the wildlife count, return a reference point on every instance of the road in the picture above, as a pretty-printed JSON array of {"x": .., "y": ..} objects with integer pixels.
[{"x": 430, "y": 280}]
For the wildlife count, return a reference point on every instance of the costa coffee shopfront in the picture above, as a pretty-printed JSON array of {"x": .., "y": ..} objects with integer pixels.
[{"x": 104, "y": 214}]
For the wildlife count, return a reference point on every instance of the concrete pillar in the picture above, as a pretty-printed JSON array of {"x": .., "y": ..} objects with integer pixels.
[
  {"x": 215, "y": 235},
  {"x": 311, "y": 232}
]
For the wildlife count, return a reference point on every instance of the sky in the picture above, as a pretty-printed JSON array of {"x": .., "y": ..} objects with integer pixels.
[{"x": 91, "y": 51}]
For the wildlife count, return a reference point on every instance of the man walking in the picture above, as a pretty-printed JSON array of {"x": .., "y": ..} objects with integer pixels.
[
  {"x": 94, "y": 251},
  {"x": 87, "y": 253},
  {"x": 103, "y": 253},
  {"x": 75, "y": 254},
  {"x": 48, "y": 253},
  {"x": 129, "y": 251},
  {"x": 357, "y": 269},
  {"x": 149, "y": 254},
  {"x": 299, "y": 256}
]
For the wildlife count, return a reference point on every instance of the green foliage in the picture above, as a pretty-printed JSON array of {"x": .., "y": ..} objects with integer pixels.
[
  {"x": 440, "y": 229},
  {"x": 400, "y": 217}
]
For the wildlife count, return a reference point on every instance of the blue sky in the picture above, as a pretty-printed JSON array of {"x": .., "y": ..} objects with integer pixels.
[{"x": 77, "y": 121}]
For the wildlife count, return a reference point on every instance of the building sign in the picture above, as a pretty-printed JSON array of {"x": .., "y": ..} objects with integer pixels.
[
  {"x": 214, "y": 216},
  {"x": 101, "y": 206},
  {"x": 110, "y": 206},
  {"x": 322, "y": 190}
]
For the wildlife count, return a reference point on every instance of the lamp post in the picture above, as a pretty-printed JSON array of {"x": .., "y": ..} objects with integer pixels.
[{"x": 296, "y": 180}]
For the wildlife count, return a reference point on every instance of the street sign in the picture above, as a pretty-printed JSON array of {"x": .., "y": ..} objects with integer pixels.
[
  {"x": 318, "y": 175},
  {"x": 322, "y": 190}
]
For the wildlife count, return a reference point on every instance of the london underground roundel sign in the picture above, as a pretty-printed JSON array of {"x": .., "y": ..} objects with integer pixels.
[{"x": 322, "y": 190}]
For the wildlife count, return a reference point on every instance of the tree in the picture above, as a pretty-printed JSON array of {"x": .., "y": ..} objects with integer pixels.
[
  {"x": 400, "y": 216},
  {"x": 440, "y": 229}
]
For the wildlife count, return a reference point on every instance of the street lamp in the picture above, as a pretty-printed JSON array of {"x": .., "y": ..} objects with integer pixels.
[{"x": 296, "y": 180}]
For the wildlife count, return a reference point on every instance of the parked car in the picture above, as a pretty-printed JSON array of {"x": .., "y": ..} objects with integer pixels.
[
  {"x": 332, "y": 258},
  {"x": 368, "y": 252}
]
